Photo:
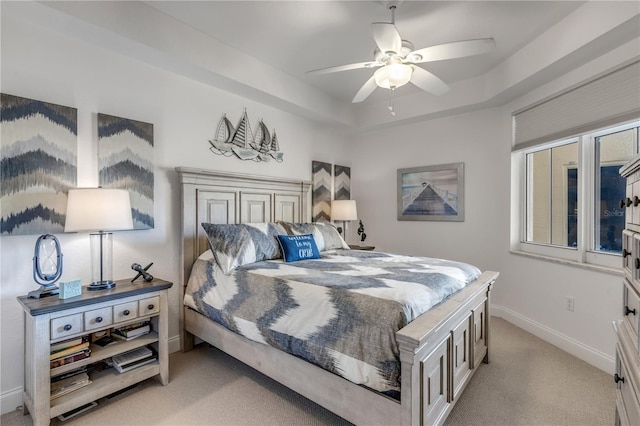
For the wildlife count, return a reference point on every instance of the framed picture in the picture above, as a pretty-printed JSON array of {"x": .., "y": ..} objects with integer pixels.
[
  {"x": 321, "y": 195},
  {"x": 125, "y": 161},
  {"x": 431, "y": 193},
  {"x": 39, "y": 145}
]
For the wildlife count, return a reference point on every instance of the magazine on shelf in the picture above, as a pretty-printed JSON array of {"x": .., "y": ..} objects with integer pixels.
[
  {"x": 78, "y": 356},
  {"x": 64, "y": 386},
  {"x": 133, "y": 359},
  {"x": 135, "y": 364},
  {"x": 55, "y": 347},
  {"x": 132, "y": 331},
  {"x": 69, "y": 351},
  {"x": 131, "y": 356},
  {"x": 84, "y": 369}
]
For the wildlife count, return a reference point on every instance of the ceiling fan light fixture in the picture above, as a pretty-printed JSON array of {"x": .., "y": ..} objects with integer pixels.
[{"x": 393, "y": 76}]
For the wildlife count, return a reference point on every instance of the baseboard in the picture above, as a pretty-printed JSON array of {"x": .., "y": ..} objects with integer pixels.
[
  {"x": 10, "y": 400},
  {"x": 174, "y": 344},
  {"x": 568, "y": 344}
]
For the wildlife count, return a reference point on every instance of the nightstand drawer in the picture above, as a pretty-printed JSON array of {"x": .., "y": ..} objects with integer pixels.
[
  {"x": 149, "y": 306},
  {"x": 66, "y": 326},
  {"x": 98, "y": 318},
  {"x": 125, "y": 311}
]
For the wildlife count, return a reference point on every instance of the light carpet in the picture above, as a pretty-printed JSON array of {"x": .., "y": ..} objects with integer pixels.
[{"x": 528, "y": 382}]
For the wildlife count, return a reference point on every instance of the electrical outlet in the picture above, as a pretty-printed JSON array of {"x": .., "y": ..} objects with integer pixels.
[{"x": 571, "y": 304}]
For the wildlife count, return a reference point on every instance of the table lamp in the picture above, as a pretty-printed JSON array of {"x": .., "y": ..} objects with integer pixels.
[
  {"x": 99, "y": 210},
  {"x": 344, "y": 210}
]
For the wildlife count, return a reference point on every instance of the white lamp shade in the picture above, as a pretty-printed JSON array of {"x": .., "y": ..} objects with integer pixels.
[
  {"x": 98, "y": 209},
  {"x": 394, "y": 75},
  {"x": 344, "y": 210}
]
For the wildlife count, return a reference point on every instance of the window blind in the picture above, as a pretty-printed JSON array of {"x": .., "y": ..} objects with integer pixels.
[{"x": 604, "y": 101}]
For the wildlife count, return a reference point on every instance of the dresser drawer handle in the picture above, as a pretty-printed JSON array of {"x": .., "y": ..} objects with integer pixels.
[
  {"x": 150, "y": 307},
  {"x": 618, "y": 378},
  {"x": 637, "y": 263},
  {"x": 636, "y": 201},
  {"x": 622, "y": 203},
  {"x": 629, "y": 202},
  {"x": 126, "y": 312},
  {"x": 625, "y": 253},
  {"x": 99, "y": 319},
  {"x": 67, "y": 327},
  {"x": 628, "y": 311}
]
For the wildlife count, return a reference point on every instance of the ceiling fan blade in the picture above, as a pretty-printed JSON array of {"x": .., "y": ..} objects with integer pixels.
[
  {"x": 458, "y": 49},
  {"x": 366, "y": 89},
  {"x": 427, "y": 81},
  {"x": 345, "y": 68},
  {"x": 386, "y": 37}
]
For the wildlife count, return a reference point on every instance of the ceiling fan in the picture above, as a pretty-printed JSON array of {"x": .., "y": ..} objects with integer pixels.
[{"x": 396, "y": 59}]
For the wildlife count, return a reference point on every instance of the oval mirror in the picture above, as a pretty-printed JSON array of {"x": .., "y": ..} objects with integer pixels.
[{"x": 47, "y": 265}]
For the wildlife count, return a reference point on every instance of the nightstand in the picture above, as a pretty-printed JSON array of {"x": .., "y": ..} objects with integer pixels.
[
  {"x": 354, "y": 247},
  {"x": 51, "y": 320}
]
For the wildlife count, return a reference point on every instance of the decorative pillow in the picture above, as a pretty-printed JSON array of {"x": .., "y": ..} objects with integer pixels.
[
  {"x": 235, "y": 245},
  {"x": 326, "y": 235},
  {"x": 298, "y": 247}
]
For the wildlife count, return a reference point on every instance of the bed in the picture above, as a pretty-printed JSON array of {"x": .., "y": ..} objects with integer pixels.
[{"x": 439, "y": 351}]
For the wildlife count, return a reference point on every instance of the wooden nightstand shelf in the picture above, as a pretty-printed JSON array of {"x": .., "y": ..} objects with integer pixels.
[
  {"x": 354, "y": 247},
  {"x": 51, "y": 320}
]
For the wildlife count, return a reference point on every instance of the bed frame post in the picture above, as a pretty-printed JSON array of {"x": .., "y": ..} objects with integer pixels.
[{"x": 487, "y": 319}]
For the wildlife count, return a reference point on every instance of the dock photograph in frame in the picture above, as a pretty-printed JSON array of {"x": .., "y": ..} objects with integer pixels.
[{"x": 431, "y": 193}]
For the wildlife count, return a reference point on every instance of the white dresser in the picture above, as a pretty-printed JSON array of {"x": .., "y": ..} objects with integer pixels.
[{"x": 627, "y": 375}]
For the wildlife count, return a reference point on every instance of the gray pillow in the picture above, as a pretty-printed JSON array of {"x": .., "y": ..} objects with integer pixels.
[
  {"x": 235, "y": 245},
  {"x": 325, "y": 234}
]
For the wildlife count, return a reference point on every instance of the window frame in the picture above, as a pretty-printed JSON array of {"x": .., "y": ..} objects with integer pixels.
[{"x": 588, "y": 194}]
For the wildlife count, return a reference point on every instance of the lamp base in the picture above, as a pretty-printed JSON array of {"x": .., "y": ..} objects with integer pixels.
[
  {"x": 101, "y": 285},
  {"x": 44, "y": 291}
]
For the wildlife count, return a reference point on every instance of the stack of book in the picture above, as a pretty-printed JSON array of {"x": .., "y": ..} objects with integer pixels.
[
  {"x": 132, "y": 331},
  {"x": 133, "y": 359},
  {"x": 73, "y": 380},
  {"x": 69, "y": 351}
]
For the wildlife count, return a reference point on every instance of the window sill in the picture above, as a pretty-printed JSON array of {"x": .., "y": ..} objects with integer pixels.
[{"x": 605, "y": 269}]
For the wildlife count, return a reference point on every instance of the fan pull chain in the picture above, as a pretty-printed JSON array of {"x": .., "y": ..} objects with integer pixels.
[{"x": 390, "y": 107}]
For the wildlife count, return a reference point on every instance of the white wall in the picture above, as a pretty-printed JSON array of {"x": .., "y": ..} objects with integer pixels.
[{"x": 40, "y": 64}]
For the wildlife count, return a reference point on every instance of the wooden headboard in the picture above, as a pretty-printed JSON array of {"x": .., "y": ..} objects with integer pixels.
[{"x": 221, "y": 197}]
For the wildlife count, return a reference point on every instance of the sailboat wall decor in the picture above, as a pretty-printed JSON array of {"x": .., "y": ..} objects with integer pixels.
[{"x": 239, "y": 141}]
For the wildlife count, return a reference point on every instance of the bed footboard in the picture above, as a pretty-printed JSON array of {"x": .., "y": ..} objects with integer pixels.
[{"x": 440, "y": 352}]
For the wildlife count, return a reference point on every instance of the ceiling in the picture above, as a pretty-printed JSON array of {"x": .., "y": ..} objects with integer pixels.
[{"x": 298, "y": 36}]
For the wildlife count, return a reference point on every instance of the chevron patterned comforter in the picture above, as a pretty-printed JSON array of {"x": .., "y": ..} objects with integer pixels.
[{"x": 340, "y": 312}]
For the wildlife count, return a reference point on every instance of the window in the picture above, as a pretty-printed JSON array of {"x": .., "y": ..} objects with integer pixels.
[{"x": 572, "y": 192}]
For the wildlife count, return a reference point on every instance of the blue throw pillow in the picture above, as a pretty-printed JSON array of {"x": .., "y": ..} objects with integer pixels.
[{"x": 298, "y": 247}]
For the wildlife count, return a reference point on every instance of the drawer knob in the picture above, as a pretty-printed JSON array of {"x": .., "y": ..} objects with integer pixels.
[
  {"x": 99, "y": 319},
  {"x": 625, "y": 253},
  {"x": 618, "y": 378},
  {"x": 628, "y": 311},
  {"x": 126, "y": 312},
  {"x": 629, "y": 202},
  {"x": 67, "y": 327},
  {"x": 622, "y": 203},
  {"x": 636, "y": 201},
  {"x": 150, "y": 307}
]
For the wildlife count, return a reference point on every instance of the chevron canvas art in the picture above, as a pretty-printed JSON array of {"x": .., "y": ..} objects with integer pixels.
[
  {"x": 125, "y": 161},
  {"x": 341, "y": 183},
  {"x": 38, "y": 144},
  {"x": 321, "y": 196}
]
